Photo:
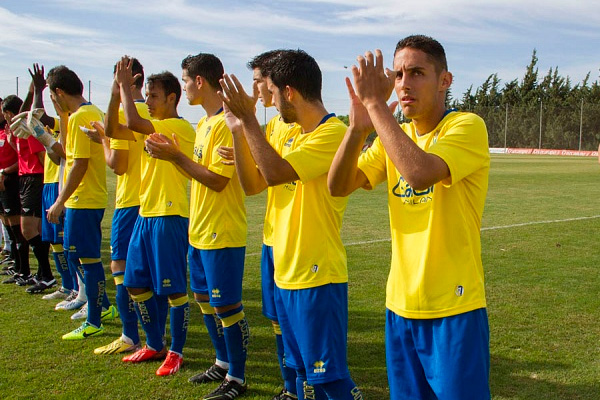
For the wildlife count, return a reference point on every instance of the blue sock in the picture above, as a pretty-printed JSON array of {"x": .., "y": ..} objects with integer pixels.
[
  {"x": 147, "y": 310},
  {"x": 306, "y": 391},
  {"x": 180, "y": 317},
  {"x": 343, "y": 389},
  {"x": 215, "y": 331},
  {"x": 288, "y": 374},
  {"x": 163, "y": 310},
  {"x": 95, "y": 291},
  {"x": 237, "y": 334},
  {"x": 62, "y": 267},
  {"x": 126, "y": 310},
  {"x": 105, "y": 301},
  {"x": 74, "y": 270}
]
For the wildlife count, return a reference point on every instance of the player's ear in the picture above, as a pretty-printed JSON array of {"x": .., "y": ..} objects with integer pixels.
[
  {"x": 200, "y": 81},
  {"x": 289, "y": 93},
  {"x": 171, "y": 98},
  {"x": 445, "y": 80}
]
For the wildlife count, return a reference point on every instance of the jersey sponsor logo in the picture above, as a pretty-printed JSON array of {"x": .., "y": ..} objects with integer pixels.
[
  {"x": 198, "y": 151},
  {"x": 289, "y": 142},
  {"x": 410, "y": 195},
  {"x": 319, "y": 367},
  {"x": 216, "y": 293},
  {"x": 166, "y": 283},
  {"x": 459, "y": 291},
  {"x": 290, "y": 186}
]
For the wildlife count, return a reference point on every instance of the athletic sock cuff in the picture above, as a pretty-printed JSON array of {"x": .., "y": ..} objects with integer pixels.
[
  {"x": 206, "y": 308},
  {"x": 178, "y": 301},
  {"x": 119, "y": 279},
  {"x": 138, "y": 298},
  {"x": 57, "y": 248},
  {"x": 276, "y": 328}
]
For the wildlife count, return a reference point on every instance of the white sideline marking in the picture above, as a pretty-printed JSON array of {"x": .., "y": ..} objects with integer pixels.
[{"x": 489, "y": 228}]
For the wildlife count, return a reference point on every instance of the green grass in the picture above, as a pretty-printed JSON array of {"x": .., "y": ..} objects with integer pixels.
[{"x": 542, "y": 289}]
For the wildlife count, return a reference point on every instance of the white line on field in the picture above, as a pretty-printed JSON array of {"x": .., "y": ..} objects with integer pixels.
[{"x": 489, "y": 228}]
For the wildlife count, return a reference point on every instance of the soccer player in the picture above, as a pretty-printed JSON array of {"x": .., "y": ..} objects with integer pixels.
[
  {"x": 156, "y": 258},
  {"x": 311, "y": 275},
  {"x": 124, "y": 158},
  {"x": 31, "y": 182},
  {"x": 83, "y": 196},
  {"x": 51, "y": 233},
  {"x": 436, "y": 167},
  {"x": 9, "y": 198},
  {"x": 276, "y": 131},
  {"x": 217, "y": 228}
]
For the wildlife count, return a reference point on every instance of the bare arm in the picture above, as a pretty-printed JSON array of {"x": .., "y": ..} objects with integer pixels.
[
  {"x": 373, "y": 86},
  {"x": 113, "y": 129},
  {"x": 161, "y": 147},
  {"x": 344, "y": 176},
  {"x": 134, "y": 121},
  {"x": 116, "y": 159},
  {"x": 251, "y": 180},
  {"x": 274, "y": 169}
]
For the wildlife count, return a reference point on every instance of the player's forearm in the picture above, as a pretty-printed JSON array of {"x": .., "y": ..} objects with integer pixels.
[
  {"x": 74, "y": 178},
  {"x": 251, "y": 180},
  {"x": 417, "y": 167},
  {"x": 57, "y": 153},
  {"x": 38, "y": 102},
  {"x": 274, "y": 169},
  {"x": 26, "y": 106},
  {"x": 134, "y": 121},
  {"x": 344, "y": 177},
  {"x": 200, "y": 173}
]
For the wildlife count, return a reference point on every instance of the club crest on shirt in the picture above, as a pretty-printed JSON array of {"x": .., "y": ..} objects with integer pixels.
[
  {"x": 289, "y": 142},
  {"x": 208, "y": 128},
  {"x": 410, "y": 195}
]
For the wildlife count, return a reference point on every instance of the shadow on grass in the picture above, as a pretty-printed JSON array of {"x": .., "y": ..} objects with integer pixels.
[{"x": 517, "y": 379}]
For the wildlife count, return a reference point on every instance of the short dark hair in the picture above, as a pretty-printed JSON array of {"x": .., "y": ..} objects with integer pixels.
[
  {"x": 136, "y": 68},
  {"x": 63, "y": 78},
  {"x": 261, "y": 61},
  {"x": 297, "y": 69},
  {"x": 205, "y": 65},
  {"x": 428, "y": 45},
  {"x": 12, "y": 103},
  {"x": 168, "y": 82}
]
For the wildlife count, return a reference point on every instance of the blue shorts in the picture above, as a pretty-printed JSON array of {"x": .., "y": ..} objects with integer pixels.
[
  {"x": 122, "y": 227},
  {"x": 314, "y": 327},
  {"x": 51, "y": 233},
  {"x": 156, "y": 255},
  {"x": 217, "y": 272},
  {"x": 268, "y": 283},
  {"x": 444, "y": 358},
  {"x": 83, "y": 232}
]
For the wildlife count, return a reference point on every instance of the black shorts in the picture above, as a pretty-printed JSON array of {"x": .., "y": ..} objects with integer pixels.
[
  {"x": 9, "y": 197},
  {"x": 31, "y": 187}
]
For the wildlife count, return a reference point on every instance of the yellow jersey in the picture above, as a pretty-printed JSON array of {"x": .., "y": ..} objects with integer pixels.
[
  {"x": 51, "y": 170},
  {"x": 436, "y": 268},
  {"x": 307, "y": 249},
  {"x": 91, "y": 192},
  {"x": 163, "y": 189},
  {"x": 128, "y": 184},
  {"x": 218, "y": 219},
  {"x": 277, "y": 133}
]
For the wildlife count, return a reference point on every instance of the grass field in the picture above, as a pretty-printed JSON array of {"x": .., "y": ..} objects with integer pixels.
[{"x": 541, "y": 260}]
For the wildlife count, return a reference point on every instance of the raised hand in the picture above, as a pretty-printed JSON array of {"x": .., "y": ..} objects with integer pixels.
[
  {"x": 239, "y": 103},
  {"x": 37, "y": 77},
  {"x": 371, "y": 82},
  {"x": 123, "y": 73}
]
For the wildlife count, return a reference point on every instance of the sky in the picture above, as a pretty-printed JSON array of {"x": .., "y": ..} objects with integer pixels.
[{"x": 480, "y": 38}]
